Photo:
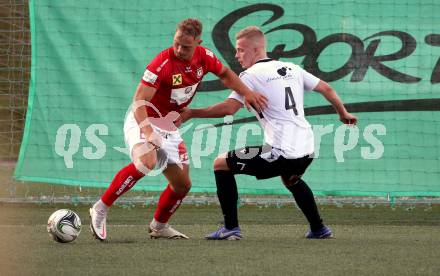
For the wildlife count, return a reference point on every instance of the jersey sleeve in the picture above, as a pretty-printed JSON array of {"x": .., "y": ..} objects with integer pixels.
[
  {"x": 151, "y": 75},
  {"x": 310, "y": 81},
  {"x": 234, "y": 95},
  {"x": 212, "y": 63},
  {"x": 246, "y": 79}
]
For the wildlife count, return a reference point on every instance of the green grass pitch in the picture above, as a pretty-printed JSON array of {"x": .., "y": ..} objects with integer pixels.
[{"x": 368, "y": 241}]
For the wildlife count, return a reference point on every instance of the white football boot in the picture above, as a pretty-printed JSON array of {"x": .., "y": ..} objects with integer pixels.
[
  {"x": 166, "y": 231},
  {"x": 98, "y": 223}
]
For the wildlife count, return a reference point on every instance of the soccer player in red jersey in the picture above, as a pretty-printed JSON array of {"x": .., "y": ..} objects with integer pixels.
[{"x": 168, "y": 85}]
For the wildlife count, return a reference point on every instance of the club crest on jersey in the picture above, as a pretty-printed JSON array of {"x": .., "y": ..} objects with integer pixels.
[
  {"x": 200, "y": 72},
  {"x": 177, "y": 79}
]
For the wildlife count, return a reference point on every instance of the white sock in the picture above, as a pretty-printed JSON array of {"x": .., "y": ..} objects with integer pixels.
[
  {"x": 100, "y": 206},
  {"x": 157, "y": 225}
]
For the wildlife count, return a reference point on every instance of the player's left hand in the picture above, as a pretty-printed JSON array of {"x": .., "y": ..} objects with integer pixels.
[
  {"x": 255, "y": 100},
  {"x": 348, "y": 119}
]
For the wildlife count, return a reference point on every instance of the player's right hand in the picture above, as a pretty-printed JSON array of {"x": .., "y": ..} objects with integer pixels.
[
  {"x": 256, "y": 100},
  {"x": 348, "y": 119},
  {"x": 154, "y": 141}
]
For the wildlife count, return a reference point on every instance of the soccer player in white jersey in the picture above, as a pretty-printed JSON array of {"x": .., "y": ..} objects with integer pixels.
[
  {"x": 288, "y": 137},
  {"x": 168, "y": 85}
]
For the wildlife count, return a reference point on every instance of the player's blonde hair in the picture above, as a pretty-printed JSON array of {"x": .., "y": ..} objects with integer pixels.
[
  {"x": 252, "y": 33},
  {"x": 191, "y": 26}
]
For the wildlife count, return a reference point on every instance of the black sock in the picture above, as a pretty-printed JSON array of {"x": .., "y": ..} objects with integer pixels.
[
  {"x": 306, "y": 202},
  {"x": 228, "y": 196}
]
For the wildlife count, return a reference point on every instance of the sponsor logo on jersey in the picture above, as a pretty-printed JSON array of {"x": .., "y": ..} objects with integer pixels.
[
  {"x": 283, "y": 72},
  {"x": 177, "y": 79},
  {"x": 184, "y": 94},
  {"x": 273, "y": 79},
  {"x": 149, "y": 76},
  {"x": 161, "y": 66},
  {"x": 188, "y": 69},
  {"x": 200, "y": 72}
]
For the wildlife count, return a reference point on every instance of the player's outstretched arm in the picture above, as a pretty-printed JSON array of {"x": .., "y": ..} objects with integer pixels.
[
  {"x": 232, "y": 81},
  {"x": 331, "y": 96},
  {"x": 227, "y": 107}
]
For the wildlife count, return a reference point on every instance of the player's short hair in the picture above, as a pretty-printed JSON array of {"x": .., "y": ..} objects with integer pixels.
[
  {"x": 191, "y": 26},
  {"x": 251, "y": 32}
]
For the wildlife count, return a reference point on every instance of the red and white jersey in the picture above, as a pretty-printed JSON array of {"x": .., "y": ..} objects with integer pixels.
[{"x": 177, "y": 80}]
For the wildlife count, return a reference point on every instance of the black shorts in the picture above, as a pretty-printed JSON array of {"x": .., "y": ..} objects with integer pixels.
[{"x": 259, "y": 162}]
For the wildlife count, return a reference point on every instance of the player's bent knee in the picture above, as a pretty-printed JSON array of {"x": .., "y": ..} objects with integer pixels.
[
  {"x": 142, "y": 158},
  {"x": 291, "y": 180},
  {"x": 144, "y": 165},
  {"x": 220, "y": 164},
  {"x": 183, "y": 188}
]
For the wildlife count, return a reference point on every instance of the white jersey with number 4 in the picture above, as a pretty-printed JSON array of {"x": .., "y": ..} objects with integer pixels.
[{"x": 283, "y": 83}]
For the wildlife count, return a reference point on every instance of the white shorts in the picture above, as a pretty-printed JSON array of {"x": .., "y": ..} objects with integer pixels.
[{"x": 172, "y": 151}]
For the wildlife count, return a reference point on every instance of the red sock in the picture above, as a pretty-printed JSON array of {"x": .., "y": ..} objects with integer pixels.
[
  {"x": 122, "y": 182},
  {"x": 169, "y": 201}
]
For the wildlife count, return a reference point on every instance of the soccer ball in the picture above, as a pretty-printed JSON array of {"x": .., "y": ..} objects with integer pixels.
[{"x": 64, "y": 225}]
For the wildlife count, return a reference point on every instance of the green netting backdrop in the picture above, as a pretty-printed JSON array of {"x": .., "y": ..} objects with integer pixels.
[{"x": 88, "y": 57}]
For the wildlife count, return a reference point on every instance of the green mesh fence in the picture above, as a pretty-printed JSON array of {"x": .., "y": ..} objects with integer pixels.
[{"x": 383, "y": 59}]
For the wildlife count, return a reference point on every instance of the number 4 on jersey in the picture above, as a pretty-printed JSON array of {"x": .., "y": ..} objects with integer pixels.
[{"x": 290, "y": 101}]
